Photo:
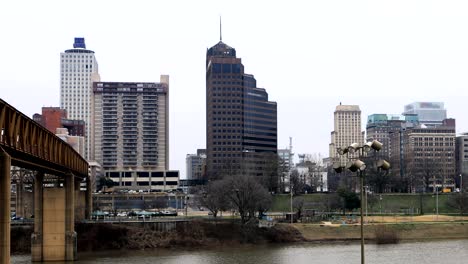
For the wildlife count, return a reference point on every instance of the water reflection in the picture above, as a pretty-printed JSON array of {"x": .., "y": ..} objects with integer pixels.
[{"x": 448, "y": 252}]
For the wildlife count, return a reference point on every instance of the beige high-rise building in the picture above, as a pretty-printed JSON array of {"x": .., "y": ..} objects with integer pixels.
[
  {"x": 130, "y": 133},
  {"x": 78, "y": 71},
  {"x": 347, "y": 130}
]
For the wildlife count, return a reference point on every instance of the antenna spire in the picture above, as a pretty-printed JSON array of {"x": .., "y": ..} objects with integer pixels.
[{"x": 220, "y": 31}]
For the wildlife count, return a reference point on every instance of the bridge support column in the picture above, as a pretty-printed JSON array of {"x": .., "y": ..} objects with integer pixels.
[
  {"x": 89, "y": 198},
  {"x": 70, "y": 234},
  {"x": 5, "y": 199},
  {"x": 36, "y": 237},
  {"x": 20, "y": 197}
]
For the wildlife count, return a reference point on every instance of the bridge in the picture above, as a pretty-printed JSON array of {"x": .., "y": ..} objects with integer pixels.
[{"x": 58, "y": 170}]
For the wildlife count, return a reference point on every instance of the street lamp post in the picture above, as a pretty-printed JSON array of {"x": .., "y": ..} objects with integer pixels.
[
  {"x": 367, "y": 190},
  {"x": 359, "y": 167}
]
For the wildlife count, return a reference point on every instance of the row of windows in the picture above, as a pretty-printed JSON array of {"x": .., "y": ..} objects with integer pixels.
[
  {"x": 226, "y": 143},
  {"x": 226, "y": 131},
  {"x": 437, "y": 144},
  {"x": 226, "y": 137},
  {"x": 226, "y": 101},
  {"x": 227, "y": 119},
  {"x": 227, "y": 113},
  {"x": 228, "y": 88},
  {"x": 226, "y": 68},
  {"x": 433, "y": 139},
  {"x": 227, "y": 94},
  {"x": 225, "y": 155},
  {"x": 226, "y": 149},
  {"x": 227, "y": 125},
  {"x": 228, "y": 106},
  {"x": 225, "y": 77}
]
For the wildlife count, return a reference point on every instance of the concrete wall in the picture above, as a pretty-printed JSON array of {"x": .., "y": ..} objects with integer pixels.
[
  {"x": 80, "y": 205},
  {"x": 54, "y": 224}
]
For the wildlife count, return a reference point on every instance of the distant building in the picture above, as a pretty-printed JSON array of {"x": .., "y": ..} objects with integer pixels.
[
  {"x": 424, "y": 157},
  {"x": 462, "y": 158},
  {"x": 195, "y": 165},
  {"x": 314, "y": 175},
  {"x": 286, "y": 161},
  {"x": 55, "y": 117},
  {"x": 78, "y": 71},
  {"x": 429, "y": 113},
  {"x": 241, "y": 122},
  {"x": 76, "y": 142},
  {"x": 379, "y": 127},
  {"x": 347, "y": 130},
  {"x": 130, "y": 133}
]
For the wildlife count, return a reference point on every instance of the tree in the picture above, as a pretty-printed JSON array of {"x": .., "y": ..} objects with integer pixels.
[
  {"x": 270, "y": 176},
  {"x": 459, "y": 202},
  {"x": 247, "y": 196},
  {"x": 296, "y": 182},
  {"x": 350, "y": 200},
  {"x": 106, "y": 182},
  {"x": 214, "y": 197},
  {"x": 298, "y": 205}
]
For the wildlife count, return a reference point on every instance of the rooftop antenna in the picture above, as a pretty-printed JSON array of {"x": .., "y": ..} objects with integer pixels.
[{"x": 220, "y": 32}]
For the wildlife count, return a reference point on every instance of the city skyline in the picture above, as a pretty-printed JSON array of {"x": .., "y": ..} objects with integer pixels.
[{"x": 307, "y": 82}]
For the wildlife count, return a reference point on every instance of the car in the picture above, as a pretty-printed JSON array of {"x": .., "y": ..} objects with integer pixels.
[{"x": 122, "y": 214}]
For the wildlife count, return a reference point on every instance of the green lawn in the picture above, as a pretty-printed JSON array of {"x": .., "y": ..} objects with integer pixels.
[{"x": 390, "y": 203}]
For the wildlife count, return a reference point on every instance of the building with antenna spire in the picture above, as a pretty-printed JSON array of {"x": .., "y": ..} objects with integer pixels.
[{"x": 241, "y": 123}]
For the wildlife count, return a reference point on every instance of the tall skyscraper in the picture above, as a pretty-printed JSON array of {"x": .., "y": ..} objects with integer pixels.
[
  {"x": 78, "y": 70},
  {"x": 241, "y": 124},
  {"x": 347, "y": 130},
  {"x": 429, "y": 113}
]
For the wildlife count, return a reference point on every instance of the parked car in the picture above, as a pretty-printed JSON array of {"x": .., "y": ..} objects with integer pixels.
[{"x": 122, "y": 214}]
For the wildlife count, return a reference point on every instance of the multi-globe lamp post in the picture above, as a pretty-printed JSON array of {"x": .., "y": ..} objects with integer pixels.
[{"x": 357, "y": 165}]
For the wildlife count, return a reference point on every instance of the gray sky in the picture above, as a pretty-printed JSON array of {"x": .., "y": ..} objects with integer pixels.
[{"x": 309, "y": 55}]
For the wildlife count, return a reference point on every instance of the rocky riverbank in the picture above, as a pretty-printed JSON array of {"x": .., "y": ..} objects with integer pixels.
[
  {"x": 195, "y": 234},
  {"x": 207, "y": 234}
]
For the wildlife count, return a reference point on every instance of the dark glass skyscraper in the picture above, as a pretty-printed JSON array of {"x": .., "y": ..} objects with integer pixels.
[{"x": 241, "y": 124}]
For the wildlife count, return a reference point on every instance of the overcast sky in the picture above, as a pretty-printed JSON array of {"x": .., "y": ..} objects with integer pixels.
[{"x": 309, "y": 55}]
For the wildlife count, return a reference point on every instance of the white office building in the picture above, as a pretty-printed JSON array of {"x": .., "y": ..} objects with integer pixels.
[{"x": 78, "y": 71}]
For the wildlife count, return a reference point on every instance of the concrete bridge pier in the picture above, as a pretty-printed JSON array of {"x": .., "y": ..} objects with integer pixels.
[
  {"x": 5, "y": 219},
  {"x": 89, "y": 198},
  {"x": 20, "y": 212},
  {"x": 36, "y": 237},
  {"x": 54, "y": 237},
  {"x": 70, "y": 234}
]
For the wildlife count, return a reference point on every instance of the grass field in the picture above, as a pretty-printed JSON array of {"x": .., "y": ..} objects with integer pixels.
[
  {"x": 385, "y": 203},
  {"x": 404, "y": 231}
]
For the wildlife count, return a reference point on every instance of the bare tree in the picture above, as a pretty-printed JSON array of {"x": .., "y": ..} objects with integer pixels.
[
  {"x": 297, "y": 183},
  {"x": 214, "y": 197},
  {"x": 247, "y": 196},
  {"x": 298, "y": 205}
]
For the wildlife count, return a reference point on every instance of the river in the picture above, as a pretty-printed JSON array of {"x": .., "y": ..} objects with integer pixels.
[{"x": 447, "y": 252}]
